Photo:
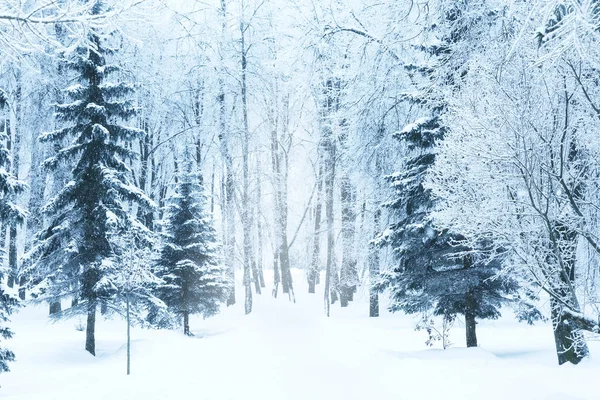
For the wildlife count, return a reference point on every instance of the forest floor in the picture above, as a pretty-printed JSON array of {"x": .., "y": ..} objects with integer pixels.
[{"x": 290, "y": 351}]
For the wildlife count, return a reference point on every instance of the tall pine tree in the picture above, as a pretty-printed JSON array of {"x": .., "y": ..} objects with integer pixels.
[
  {"x": 11, "y": 215},
  {"x": 434, "y": 272},
  {"x": 74, "y": 257},
  {"x": 194, "y": 281}
]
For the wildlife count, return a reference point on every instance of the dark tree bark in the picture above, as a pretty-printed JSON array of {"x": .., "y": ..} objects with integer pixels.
[
  {"x": 90, "y": 331},
  {"x": 470, "y": 323},
  {"x": 146, "y": 158},
  {"x": 284, "y": 263},
  {"x": 374, "y": 269},
  {"x": 186, "y": 323},
  {"x": 55, "y": 307},
  {"x": 256, "y": 277},
  {"x": 373, "y": 305}
]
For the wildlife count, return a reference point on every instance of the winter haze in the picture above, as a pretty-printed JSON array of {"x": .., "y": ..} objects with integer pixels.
[{"x": 299, "y": 199}]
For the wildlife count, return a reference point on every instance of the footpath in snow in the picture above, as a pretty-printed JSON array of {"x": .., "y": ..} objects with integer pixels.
[{"x": 287, "y": 350}]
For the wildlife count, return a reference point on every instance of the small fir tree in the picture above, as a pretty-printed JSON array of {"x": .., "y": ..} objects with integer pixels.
[
  {"x": 194, "y": 281},
  {"x": 74, "y": 256}
]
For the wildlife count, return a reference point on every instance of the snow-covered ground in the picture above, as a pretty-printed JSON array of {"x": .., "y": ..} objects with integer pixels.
[{"x": 291, "y": 351}]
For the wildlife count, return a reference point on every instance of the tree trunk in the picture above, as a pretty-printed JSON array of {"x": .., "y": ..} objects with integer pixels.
[
  {"x": 286, "y": 273},
  {"x": 212, "y": 191},
  {"x": 55, "y": 307},
  {"x": 329, "y": 148},
  {"x": 128, "y": 337},
  {"x": 229, "y": 195},
  {"x": 256, "y": 233},
  {"x": 374, "y": 269},
  {"x": 276, "y": 275},
  {"x": 12, "y": 255},
  {"x": 90, "y": 331},
  {"x": 568, "y": 338},
  {"x": 314, "y": 268},
  {"x": 330, "y": 269},
  {"x": 259, "y": 227},
  {"x": 146, "y": 216},
  {"x": 256, "y": 277},
  {"x": 470, "y": 326},
  {"x": 246, "y": 219},
  {"x": 348, "y": 271},
  {"x": 15, "y": 152},
  {"x": 186, "y": 323},
  {"x": 13, "y": 148},
  {"x": 279, "y": 166},
  {"x": 275, "y": 161},
  {"x": 3, "y": 234},
  {"x": 230, "y": 233},
  {"x": 282, "y": 194}
]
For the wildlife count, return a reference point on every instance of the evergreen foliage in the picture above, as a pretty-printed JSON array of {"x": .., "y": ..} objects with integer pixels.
[
  {"x": 8, "y": 303},
  {"x": 10, "y": 214},
  {"x": 194, "y": 281},
  {"x": 73, "y": 257},
  {"x": 435, "y": 273}
]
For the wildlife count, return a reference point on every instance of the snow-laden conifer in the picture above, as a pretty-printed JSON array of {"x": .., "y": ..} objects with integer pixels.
[
  {"x": 194, "y": 280},
  {"x": 436, "y": 273},
  {"x": 10, "y": 214},
  {"x": 74, "y": 257}
]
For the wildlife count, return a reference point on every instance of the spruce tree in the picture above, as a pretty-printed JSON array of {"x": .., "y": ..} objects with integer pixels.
[
  {"x": 8, "y": 302},
  {"x": 73, "y": 257},
  {"x": 194, "y": 281},
  {"x": 12, "y": 215},
  {"x": 434, "y": 273}
]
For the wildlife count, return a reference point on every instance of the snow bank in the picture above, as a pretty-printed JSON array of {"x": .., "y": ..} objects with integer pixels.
[{"x": 287, "y": 351}]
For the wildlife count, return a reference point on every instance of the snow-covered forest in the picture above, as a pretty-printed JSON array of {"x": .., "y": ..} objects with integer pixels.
[{"x": 294, "y": 199}]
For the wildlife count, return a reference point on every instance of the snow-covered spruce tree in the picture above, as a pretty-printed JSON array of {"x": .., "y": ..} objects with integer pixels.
[
  {"x": 434, "y": 272},
  {"x": 73, "y": 256},
  {"x": 194, "y": 281},
  {"x": 10, "y": 214},
  {"x": 8, "y": 302},
  {"x": 519, "y": 167}
]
